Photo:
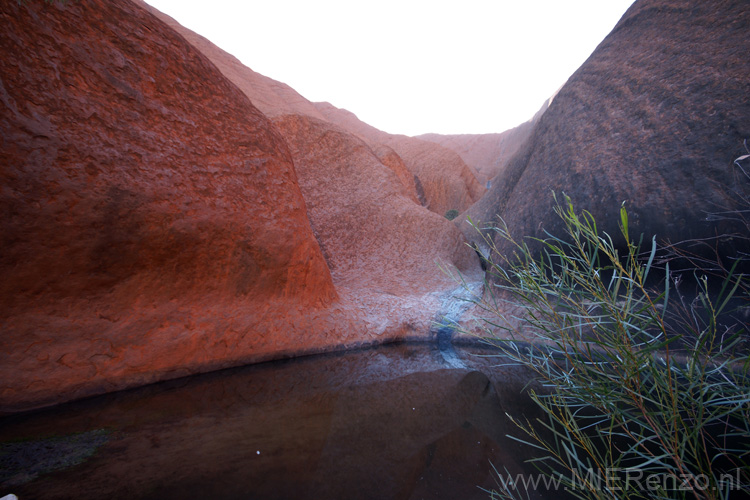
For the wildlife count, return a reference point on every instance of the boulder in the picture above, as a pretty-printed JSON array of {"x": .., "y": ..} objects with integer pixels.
[{"x": 653, "y": 119}]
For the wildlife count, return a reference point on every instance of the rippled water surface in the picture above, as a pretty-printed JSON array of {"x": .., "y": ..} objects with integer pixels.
[{"x": 396, "y": 422}]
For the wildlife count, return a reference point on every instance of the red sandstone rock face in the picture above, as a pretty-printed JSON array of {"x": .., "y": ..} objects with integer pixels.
[
  {"x": 151, "y": 218},
  {"x": 392, "y": 160},
  {"x": 352, "y": 198},
  {"x": 374, "y": 237},
  {"x": 442, "y": 179},
  {"x": 448, "y": 183},
  {"x": 485, "y": 153},
  {"x": 654, "y": 118},
  {"x": 488, "y": 154},
  {"x": 273, "y": 98},
  {"x": 153, "y": 225}
]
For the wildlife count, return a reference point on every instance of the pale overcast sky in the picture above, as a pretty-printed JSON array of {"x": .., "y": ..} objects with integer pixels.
[{"x": 411, "y": 66}]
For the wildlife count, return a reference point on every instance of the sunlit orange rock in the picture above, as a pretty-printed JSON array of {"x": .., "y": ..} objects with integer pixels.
[
  {"x": 447, "y": 182},
  {"x": 375, "y": 237},
  {"x": 151, "y": 220},
  {"x": 154, "y": 226}
]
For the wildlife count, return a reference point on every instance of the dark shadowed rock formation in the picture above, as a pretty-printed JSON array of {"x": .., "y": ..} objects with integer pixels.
[
  {"x": 488, "y": 154},
  {"x": 447, "y": 181},
  {"x": 654, "y": 118}
]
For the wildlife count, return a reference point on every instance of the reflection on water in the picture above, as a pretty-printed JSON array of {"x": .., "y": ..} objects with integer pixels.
[{"x": 394, "y": 422}]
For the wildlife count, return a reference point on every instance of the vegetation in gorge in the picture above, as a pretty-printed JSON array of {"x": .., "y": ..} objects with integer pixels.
[
  {"x": 647, "y": 393},
  {"x": 451, "y": 214}
]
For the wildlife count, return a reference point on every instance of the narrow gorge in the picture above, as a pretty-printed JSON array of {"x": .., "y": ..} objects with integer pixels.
[{"x": 166, "y": 211}]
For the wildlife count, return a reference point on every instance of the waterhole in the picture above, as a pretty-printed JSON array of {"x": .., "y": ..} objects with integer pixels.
[{"x": 394, "y": 422}]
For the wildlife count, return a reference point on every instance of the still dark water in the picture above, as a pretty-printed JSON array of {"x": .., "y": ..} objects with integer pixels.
[{"x": 395, "y": 422}]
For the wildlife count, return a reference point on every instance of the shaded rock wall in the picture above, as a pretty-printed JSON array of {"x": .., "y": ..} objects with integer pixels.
[
  {"x": 488, "y": 154},
  {"x": 654, "y": 118}
]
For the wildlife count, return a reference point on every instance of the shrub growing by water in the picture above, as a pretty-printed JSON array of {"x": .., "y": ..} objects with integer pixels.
[{"x": 648, "y": 394}]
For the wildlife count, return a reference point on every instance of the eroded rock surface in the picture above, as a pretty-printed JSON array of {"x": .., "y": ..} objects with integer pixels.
[
  {"x": 488, "y": 154},
  {"x": 448, "y": 183},
  {"x": 374, "y": 237},
  {"x": 654, "y": 118},
  {"x": 392, "y": 160},
  {"x": 151, "y": 218},
  {"x": 384, "y": 253},
  {"x": 153, "y": 223},
  {"x": 444, "y": 179}
]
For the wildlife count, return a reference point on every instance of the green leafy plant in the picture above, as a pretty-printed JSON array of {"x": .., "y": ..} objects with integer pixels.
[
  {"x": 646, "y": 392},
  {"x": 451, "y": 214}
]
